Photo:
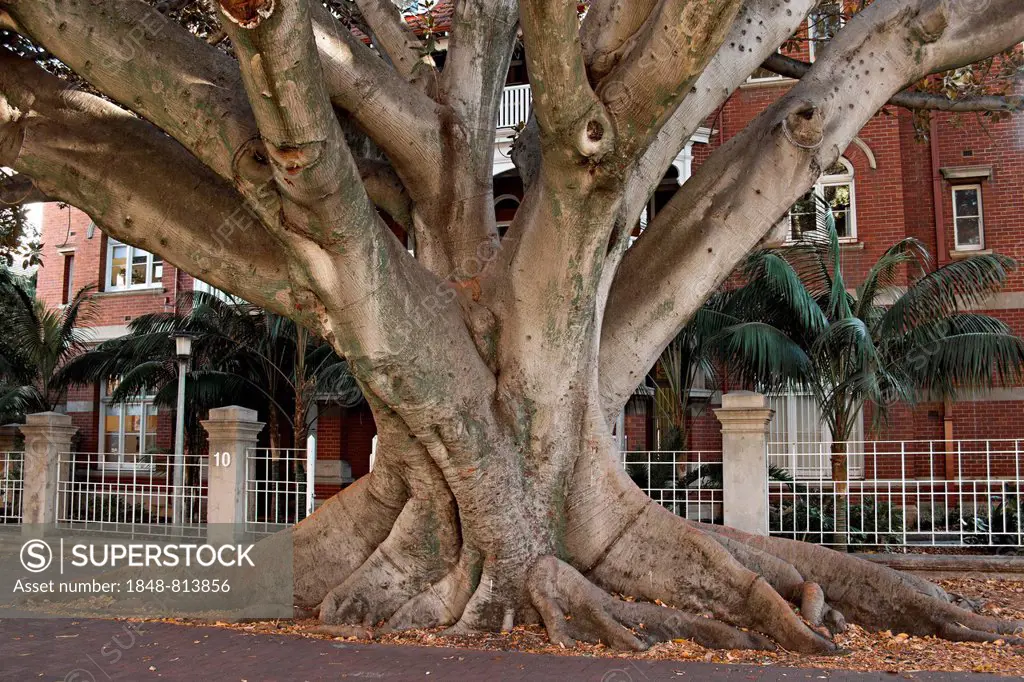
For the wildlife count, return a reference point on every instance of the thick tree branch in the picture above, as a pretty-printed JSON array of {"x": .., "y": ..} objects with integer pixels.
[
  {"x": 565, "y": 105},
  {"x": 18, "y": 190},
  {"x": 457, "y": 224},
  {"x": 608, "y": 30},
  {"x": 401, "y": 120},
  {"x": 452, "y": 212},
  {"x": 366, "y": 287},
  {"x": 85, "y": 151},
  {"x": 740, "y": 193},
  {"x": 394, "y": 36},
  {"x": 759, "y": 28},
  {"x": 313, "y": 168},
  {"x": 794, "y": 68},
  {"x": 386, "y": 191},
  {"x": 148, "y": 63},
  {"x": 676, "y": 42}
]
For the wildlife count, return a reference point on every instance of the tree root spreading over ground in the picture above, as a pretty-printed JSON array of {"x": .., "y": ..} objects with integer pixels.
[{"x": 867, "y": 651}]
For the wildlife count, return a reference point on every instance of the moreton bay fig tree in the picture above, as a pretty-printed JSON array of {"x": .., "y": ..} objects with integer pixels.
[{"x": 257, "y": 144}]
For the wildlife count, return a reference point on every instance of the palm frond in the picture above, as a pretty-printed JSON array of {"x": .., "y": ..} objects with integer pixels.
[
  {"x": 762, "y": 355},
  {"x": 967, "y": 361},
  {"x": 884, "y": 274},
  {"x": 777, "y": 274},
  {"x": 958, "y": 285}
]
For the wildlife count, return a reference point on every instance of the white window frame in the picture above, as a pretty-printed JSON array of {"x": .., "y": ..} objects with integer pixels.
[
  {"x": 812, "y": 28},
  {"x": 132, "y": 251},
  {"x": 116, "y": 461},
  {"x": 980, "y": 246},
  {"x": 835, "y": 180}
]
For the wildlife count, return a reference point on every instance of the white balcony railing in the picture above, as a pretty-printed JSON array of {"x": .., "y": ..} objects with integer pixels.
[
  {"x": 515, "y": 106},
  {"x": 201, "y": 286}
]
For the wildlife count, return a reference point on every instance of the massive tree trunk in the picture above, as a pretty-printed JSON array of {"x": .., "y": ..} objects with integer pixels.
[{"x": 492, "y": 367}]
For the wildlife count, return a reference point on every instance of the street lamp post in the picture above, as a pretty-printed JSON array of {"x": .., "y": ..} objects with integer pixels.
[{"x": 183, "y": 348}]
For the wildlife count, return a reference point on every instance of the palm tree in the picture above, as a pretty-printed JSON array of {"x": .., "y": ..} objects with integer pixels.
[
  {"x": 35, "y": 342},
  {"x": 731, "y": 336},
  {"x": 904, "y": 336},
  {"x": 241, "y": 354}
]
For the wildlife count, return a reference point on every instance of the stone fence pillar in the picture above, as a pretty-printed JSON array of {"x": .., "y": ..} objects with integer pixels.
[
  {"x": 232, "y": 432},
  {"x": 47, "y": 436},
  {"x": 745, "y": 417}
]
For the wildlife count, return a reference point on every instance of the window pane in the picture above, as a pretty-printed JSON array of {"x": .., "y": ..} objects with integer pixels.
[
  {"x": 966, "y": 203},
  {"x": 803, "y": 216},
  {"x": 838, "y": 197},
  {"x": 140, "y": 264},
  {"x": 764, "y": 74},
  {"x": 112, "y": 429},
  {"x": 968, "y": 232},
  {"x": 118, "y": 266},
  {"x": 826, "y": 23},
  {"x": 133, "y": 419},
  {"x": 111, "y": 443},
  {"x": 158, "y": 270},
  {"x": 152, "y": 424},
  {"x": 131, "y": 446}
]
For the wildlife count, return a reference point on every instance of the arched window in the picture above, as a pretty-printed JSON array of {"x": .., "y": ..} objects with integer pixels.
[
  {"x": 837, "y": 188},
  {"x": 505, "y": 207}
]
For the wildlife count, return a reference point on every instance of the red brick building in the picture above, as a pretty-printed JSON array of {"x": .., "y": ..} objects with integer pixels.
[{"x": 961, "y": 193}]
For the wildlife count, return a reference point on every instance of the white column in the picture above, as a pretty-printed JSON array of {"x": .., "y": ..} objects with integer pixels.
[{"x": 745, "y": 417}]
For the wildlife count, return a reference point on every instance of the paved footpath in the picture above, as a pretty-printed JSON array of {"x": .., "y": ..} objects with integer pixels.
[{"x": 98, "y": 651}]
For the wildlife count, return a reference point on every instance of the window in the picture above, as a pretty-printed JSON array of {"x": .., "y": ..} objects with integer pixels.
[
  {"x": 132, "y": 268},
  {"x": 127, "y": 430},
  {"x": 505, "y": 208},
  {"x": 835, "y": 187},
  {"x": 801, "y": 443},
  {"x": 69, "y": 278},
  {"x": 968, "y": 223},
  {"x": 823, "y": 25}
]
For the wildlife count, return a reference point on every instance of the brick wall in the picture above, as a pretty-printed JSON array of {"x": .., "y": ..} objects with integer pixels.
[{"x": 346, "y": 434}]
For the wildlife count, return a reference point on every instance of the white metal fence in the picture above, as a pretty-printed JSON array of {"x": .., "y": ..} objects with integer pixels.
[
  {"x": 689, "y": 483},
  {"x": 12, "y": 486},
  {"x": 515, "y": 106},
  {"x": 905, "y": 493},
  {"x": 279, "y": 487},
  {"x": 97, "y": 492}
]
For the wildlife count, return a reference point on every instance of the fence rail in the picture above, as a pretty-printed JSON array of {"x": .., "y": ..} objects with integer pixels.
[
  {"x": 689, "y": 483},
  {"x": 12, "y": 486},
  {"x": 278, "y": 489},
  {"x": 96, "y": 492},
  {"x": 906, "y": 493}
]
